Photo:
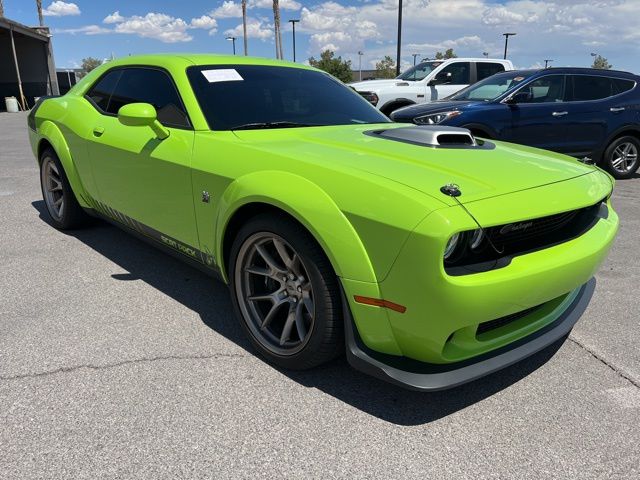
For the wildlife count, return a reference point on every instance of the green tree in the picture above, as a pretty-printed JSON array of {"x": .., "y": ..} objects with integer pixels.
[
  {"x": 89, "y": 64},
  {"x": 600, "y": 62},
  {"x": 386, "y": 68},
  {"x": 341, "y": 69},
  {"x": 449, "y": 53}
]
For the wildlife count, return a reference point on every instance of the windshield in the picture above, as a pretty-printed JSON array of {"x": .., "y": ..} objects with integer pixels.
[
  {"x": 257, "y": 96},
  {"x": 492, "y": 87},
  {"x": 418, "y": 72}
]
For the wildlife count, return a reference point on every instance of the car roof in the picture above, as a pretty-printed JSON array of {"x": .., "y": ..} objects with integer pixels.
[
  {"x": 578, "y": 70},
  {"x": 190, "y": 59}
]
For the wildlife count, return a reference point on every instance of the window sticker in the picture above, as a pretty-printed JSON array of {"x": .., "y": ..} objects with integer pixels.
[
  {"x": 518, "y": 79},
  {"x": 222, "y": 75}
]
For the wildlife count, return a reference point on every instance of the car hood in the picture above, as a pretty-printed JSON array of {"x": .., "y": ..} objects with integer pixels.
[
  {"x": 377, "y": 84},
  {"x": 496, "y": 168},
  {"x": 432, "y": 107}
]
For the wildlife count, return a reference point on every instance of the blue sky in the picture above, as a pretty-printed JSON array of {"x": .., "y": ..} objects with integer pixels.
[{"x": 566, "y": 31}]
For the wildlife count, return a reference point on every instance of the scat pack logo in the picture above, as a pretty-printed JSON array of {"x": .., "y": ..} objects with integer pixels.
[{"x": 178, "y": 246}]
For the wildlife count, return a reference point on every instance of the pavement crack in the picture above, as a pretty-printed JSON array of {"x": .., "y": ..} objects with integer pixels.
[
  {"x": 122, "y": 363},
  {"x": 604, "y": 361}
]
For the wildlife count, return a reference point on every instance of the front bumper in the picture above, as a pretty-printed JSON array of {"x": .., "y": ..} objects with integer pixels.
[{"x": 422, "y": 376}]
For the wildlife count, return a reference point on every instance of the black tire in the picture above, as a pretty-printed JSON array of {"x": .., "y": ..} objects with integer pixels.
[
  {"x": 389, "y": 109},
  {"x": 322, "y": 338},
  {"x": 71, "y": 215},
  {"x": 612, "y": 155}
]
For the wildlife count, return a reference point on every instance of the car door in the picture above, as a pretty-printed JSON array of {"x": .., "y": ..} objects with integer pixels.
[
  {"x": 141, "y": 180},
  {"x": 539, "y": 117},
  {"x": 596, "y": 110},
  {"x": 452, "y": 78}
]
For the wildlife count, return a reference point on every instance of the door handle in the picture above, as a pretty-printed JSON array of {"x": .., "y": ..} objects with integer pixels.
[
  {"x": 617, "y": 109},
  {"x": 98, "y": 131},
  {"x": 559, "y": 114}
]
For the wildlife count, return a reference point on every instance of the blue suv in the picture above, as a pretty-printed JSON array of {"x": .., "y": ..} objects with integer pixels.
[{"x": 586, "y": 113}]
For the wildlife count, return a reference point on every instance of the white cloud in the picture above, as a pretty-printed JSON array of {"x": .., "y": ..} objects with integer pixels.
[
  {"x": 61, "y": 9},
  {"x": 255, "y": 29},
  {"x": 86, "y": 30},
  {"x": 228, "y": 9},
  {"x": 115, "y": 17},
  {"x": 205, "y": 22},
  {"x": 284, "y": 4},
  {"x": 159, "y": 26}
]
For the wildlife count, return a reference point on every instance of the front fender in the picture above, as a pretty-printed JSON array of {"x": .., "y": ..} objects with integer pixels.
[
  {"x": 49, "y": 131},
  {"x": 307, "y": 203}
]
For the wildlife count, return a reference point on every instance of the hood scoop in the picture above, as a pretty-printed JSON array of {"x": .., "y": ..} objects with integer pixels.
[{"x": 431, "y": 136}]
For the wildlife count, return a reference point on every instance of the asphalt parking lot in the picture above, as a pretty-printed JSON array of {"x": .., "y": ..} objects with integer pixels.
[{"x": 117, "y": 361}]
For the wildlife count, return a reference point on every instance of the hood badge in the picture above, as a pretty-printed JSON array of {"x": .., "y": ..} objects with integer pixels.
[{"x": 515, "y": 227}]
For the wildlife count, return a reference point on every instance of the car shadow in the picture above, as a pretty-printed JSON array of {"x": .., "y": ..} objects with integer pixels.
[{"x": 210, "y": 300}]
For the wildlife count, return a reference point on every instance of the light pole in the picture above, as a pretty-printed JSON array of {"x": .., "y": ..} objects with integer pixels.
[
  {"x": 485, "y": 54},
  {"x": 506, "y": 42},
  {"x": 414, "y": 55},
  {"x": 293, "y": 25},
  {"x": 233, "y": 41},
  {"x": 360, "y": 53},
  {"x": 546, "y": 62},
  {"x": 399, "y": 37}
]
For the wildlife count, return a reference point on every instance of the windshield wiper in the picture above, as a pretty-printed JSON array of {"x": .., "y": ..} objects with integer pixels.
[{"x": 258, "y": 125}]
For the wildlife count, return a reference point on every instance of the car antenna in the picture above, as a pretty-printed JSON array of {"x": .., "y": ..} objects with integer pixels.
[{"x": 452, "y": 190}]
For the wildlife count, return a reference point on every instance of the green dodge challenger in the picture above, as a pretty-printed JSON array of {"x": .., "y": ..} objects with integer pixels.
[{"x": 430, "y": 256}]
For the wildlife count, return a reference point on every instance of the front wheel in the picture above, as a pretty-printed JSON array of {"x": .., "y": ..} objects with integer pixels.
[
  {"x": 621, "y": 157},
  {"x": 285, "y": 293}
]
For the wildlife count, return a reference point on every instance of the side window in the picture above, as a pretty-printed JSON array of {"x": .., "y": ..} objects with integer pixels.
[
  {"x": 544, "y": 90},
  {"x": 152, "y": 86},
  {"x": 587, "y": 87},
  {"x": 459, "y": 73},
  {"x": 620, "y": 85},
  {"x": 486, "y": 69},
  {"x": 101, "y": 91}
]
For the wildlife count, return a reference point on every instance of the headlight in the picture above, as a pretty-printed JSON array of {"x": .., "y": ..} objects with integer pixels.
[
  {"x": 436, "y": 118},
  {"x": 451, "y": 246},
  {"x": 370, "y": 97},
  {"x": 476, "y": 239}
]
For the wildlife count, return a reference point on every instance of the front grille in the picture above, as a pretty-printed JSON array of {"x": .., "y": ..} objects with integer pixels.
[
  {"x": 485, "y": 327},
  {"x": 523, "y": 237}
]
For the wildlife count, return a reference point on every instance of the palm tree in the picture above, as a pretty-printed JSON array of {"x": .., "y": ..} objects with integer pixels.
[
  {"x": 244, "y": 25},
  {"x": 39, "y": 5},
  {"x": 1, "y": 9},
  {"x": 276, "y": 29}
]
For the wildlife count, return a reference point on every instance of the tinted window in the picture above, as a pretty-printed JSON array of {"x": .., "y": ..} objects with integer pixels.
[
  {"x": 621, "y": 85},
  {"x": 259, "y": 96},
  {"x": 459, "y": 73},
  {"x": 149, "y": 86},
  {"x": 102, "y": 90},
  {"x": 486, "y": 69},
  {"x": 544, "y": 90},
  {"x": 492, "y": 87},
  {"x": 419, "y": 71},
  {"x": 586, "y": 87}
]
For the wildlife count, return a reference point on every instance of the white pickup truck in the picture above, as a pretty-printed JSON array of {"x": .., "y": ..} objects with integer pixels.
[{"x": 428, "y": 81}]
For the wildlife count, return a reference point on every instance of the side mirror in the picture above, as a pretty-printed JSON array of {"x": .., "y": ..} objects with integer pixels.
[
  {"x": 440, "y": 79},
  {"x": 519, "y": 97},
  {"x": 142, "y": 115}
]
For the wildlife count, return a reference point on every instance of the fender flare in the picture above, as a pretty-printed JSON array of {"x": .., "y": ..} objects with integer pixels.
[
  {"x": 50, "y": 132},
  {"x": 308, "y": 204},
  {"x": 479, "y": 126}
]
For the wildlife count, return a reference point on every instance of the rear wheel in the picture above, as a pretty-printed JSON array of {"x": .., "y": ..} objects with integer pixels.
[
  {"x": 285, "y": 293},
  {"x": 61, "y": 203},
  {"x": 621, "y": 157}
]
